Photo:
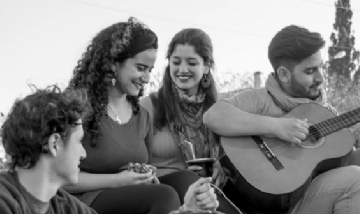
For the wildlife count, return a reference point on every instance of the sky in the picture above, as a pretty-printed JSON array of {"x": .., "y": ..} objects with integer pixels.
[{"x": 42, "y": 40}]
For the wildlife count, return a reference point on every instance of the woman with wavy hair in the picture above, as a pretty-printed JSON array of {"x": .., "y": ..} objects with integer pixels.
[
  {"x": 188, "y": 90},
  {"x": 113, "y": 70}
]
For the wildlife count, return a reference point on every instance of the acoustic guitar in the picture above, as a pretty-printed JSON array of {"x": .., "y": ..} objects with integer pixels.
[{"x": 271, "y": 167}]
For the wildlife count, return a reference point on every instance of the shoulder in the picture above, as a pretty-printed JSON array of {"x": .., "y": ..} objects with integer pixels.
[
  {"x": 147, "y": 103},
  {"x": 143, "y": 112},
  {"x": 254, "y": 101},
  {"x": 143, "y": 118},
  {"x": 64, "y": 199},
  {"x": 7, "y": 183},
  {"x": 248, "y": 96},
  {"x": 255, "y": 93},
  {"x": 9, "y": 194}
]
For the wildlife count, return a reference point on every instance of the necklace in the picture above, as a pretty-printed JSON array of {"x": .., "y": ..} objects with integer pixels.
[{"x": 117, "y": 116}]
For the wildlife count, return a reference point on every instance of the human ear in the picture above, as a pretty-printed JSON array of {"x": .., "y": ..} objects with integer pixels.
[
  {"x": 53, "y": 144},
  {"x": 283, "y": 74}
]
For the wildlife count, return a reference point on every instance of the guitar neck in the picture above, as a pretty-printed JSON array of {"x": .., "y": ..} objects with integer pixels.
[{"x": 337, "y": 123}]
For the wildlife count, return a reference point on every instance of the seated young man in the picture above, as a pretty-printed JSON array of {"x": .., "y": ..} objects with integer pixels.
[
  {"x": 42, "y": 134},
  {"x": 295, "y": 54}
]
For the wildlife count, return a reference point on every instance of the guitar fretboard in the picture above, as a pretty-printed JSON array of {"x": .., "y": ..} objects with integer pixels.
[{"x": 339, "y": 122}]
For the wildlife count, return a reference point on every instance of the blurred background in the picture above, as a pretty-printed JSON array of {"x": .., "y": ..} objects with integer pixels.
[{"x": 41, "y": 40}]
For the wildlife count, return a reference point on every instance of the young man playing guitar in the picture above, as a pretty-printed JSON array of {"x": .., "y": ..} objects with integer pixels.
[{"x": 294, "y": 88}]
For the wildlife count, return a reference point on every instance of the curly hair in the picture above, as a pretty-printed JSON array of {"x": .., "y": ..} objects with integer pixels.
[
  {"x": 291, "y": 45},
  {"x": 35, "y": 118},
  {"x": 94, "y": 70},
  {"x": 202, "y": 44}
]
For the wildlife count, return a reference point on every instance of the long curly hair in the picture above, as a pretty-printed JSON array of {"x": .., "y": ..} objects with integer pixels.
[
  {"x": 35, "y": 118},
  {"x": 95, "y": 69},
  {"x": 166, "y": 112}
]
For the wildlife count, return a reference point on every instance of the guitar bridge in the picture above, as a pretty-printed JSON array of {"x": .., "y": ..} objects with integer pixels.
[{"x": 268, "y": 153}]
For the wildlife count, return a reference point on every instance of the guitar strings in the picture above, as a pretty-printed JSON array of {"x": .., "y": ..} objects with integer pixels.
[
  {"x": 351, "y": 117},
  {"x": 319, "y": 129},
  {"x": 330, "y": 127},
  {"x": 279, "y": 148},
  {"x": 347, "y": 122}
]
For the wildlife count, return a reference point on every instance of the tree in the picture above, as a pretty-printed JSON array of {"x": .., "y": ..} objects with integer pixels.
[
  {"x": 356, "y": 78},
  {"x": 343, "y": 41}
]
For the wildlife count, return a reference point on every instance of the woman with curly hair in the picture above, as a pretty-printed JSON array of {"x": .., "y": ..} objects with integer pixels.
[
  {"x": 188, "y": 90},
  {"x": 113, "y": 70}
]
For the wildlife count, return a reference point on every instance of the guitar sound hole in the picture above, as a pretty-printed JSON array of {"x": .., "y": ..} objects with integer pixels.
[{"x": 313, "y": 137}]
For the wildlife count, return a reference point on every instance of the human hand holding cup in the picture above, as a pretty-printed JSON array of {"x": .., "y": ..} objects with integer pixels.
[{"x": 202, "y": 166}]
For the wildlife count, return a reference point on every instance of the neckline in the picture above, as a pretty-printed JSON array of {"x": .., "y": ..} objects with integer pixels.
[
  {"x": 32, "y": 201},
  {"x": 117, "y": 116},
  {"x": 121, "y": 124}
]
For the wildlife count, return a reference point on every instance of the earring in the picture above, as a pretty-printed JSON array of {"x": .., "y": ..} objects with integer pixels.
[
  {"x": 205, "y": 82},
  {"x": 113, "y": 81}
]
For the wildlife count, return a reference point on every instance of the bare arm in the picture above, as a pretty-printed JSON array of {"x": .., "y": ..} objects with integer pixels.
[
  {"x": 90, "y": 182},
  {"x": 227, "y": 120}
]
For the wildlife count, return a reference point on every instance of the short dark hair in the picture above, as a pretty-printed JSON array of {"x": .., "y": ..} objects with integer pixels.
[
  {"x": 292, "y": 44},
  {"x": 34, "y": 118}
]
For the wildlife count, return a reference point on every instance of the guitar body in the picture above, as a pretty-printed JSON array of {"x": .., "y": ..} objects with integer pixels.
[{"x": 260, "y": 181}]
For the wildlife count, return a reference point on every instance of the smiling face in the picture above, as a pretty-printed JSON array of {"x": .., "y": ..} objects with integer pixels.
[
  {"x": 187, "y": 68},
  {"x": 70, "y": 153},
  {"x": 306, "y": 77},
  {"x": 134, "y": 73}
]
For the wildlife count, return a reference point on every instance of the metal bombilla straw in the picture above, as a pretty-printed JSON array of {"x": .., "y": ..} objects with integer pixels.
[{"x": 191, "y": 147}]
